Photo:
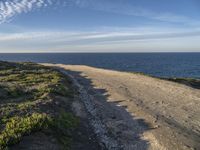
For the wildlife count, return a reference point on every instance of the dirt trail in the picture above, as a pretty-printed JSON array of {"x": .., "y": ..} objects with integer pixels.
[{"x": 139, "y": 112}]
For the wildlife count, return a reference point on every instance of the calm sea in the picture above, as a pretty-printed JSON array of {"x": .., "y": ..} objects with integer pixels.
[{"x": 156, "y": 64}]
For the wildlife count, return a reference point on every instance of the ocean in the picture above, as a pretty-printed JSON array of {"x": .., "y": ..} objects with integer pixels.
[{"x": 155, "y": 64}]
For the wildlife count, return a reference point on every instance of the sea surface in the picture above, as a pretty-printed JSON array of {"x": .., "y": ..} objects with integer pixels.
[{"x": 156, "y": 64}]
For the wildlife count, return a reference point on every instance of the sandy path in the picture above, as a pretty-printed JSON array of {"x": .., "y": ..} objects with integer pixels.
[{"x": 140, "y": 112}]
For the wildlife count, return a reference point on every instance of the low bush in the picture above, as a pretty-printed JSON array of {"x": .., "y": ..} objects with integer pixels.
[{"x": 17, "y": 126}]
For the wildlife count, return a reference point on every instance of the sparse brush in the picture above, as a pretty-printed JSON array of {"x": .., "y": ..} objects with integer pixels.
[{"x": 27, "y": 104}]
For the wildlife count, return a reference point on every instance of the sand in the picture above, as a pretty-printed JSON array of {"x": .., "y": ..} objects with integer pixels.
[{"x": 133, "y": 111}]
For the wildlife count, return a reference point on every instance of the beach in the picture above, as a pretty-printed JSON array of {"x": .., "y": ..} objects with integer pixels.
[{"x": 138, "y": 111}]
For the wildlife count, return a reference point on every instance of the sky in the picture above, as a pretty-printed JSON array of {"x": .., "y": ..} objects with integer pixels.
[{"x": 32, "y": 26}]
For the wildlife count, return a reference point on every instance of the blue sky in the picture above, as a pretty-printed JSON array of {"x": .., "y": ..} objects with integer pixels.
[{"x": 99, "y": 26}]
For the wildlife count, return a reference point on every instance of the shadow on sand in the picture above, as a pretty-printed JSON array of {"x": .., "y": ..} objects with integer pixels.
[{"x": 121, "y": 130}]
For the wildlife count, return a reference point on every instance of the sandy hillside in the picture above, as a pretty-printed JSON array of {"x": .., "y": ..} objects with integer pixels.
[{"x": 141, "y": 112}]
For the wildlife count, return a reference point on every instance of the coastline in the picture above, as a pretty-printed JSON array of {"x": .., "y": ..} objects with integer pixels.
[
  {"x": 111, "y": 109},
  {"x": 165, "y": 112}
]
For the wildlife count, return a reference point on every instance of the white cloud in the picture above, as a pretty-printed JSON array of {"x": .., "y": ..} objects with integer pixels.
[{"x": 10, "y": 8}]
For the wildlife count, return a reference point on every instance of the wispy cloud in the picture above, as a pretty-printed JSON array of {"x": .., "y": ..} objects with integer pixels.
[
  {"x": 98, "y": 36},
  {"x": 121, "y": 7},
  {"x": 82, "y": 41},
  {"x": 10, "y": 8}
]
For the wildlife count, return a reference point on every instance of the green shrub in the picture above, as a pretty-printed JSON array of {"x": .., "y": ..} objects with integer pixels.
[
  {"x": 63, "y": 126},
  {"x": 17, "y": 126},
  {"x": 11, "y": 91}
]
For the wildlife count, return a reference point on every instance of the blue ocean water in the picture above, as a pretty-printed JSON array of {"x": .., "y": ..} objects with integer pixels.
[{"x": 156, "y": 64}]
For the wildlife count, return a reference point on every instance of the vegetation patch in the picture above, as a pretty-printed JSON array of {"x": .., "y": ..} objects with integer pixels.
[
  {"x": 17, "y": 126},
  {"x": 63, "y": 127},
  {"x": 33, "y": 99},
  {"x": 192, "y": 82},
  {"x": 195, "y": 83}
]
